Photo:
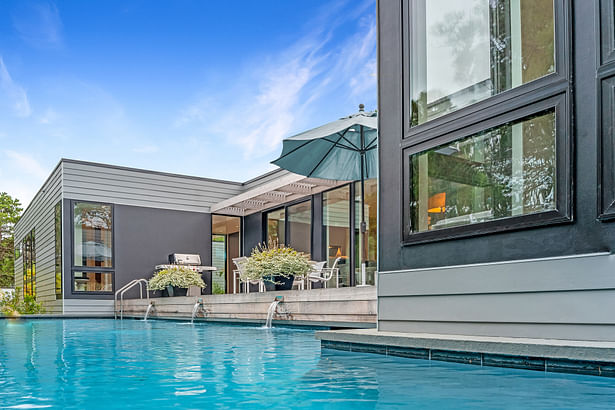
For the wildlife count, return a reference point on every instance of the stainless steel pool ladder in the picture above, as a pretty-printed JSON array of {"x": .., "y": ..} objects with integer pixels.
[{"x": 126, "y": 288}]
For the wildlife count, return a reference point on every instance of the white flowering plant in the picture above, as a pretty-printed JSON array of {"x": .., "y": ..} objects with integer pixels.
[
  {"x": 265, "y": 262},
  {"x": 179, "y": 277}
]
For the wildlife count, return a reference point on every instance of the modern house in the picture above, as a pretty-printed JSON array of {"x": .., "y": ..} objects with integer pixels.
[
  {"x": 497, "y": 188},
  {"x": 92, "y": 228}
]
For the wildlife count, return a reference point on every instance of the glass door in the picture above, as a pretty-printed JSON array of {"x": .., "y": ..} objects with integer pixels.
[{"x": 225, "y": 245}]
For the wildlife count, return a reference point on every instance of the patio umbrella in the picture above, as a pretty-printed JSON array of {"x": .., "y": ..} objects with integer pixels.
[{"x": 343, "y": 150}]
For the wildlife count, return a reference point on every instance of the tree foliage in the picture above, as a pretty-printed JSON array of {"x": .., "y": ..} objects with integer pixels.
[
  {"x": 13, "y": 305},
  {"x": 10, "y": 212}
]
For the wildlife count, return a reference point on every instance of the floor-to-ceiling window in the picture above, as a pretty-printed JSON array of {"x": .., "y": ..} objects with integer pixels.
[
  {"x": 29, "y": 265},
  {"x": 299, "y": 221},
  {"x": 225, "y": 245},
  {"x": 276, "y": 227},
  {"x": 336, "y": 224},
  {"x": 291, "y": 226},
  {"x": 93, "y": 248},
  {"x": 57, "y": 220},
  {"x": 366, "y": 250}
]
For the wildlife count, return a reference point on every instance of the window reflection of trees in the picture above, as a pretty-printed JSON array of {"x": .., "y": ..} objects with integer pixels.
[
  {"x": 490, "y": 47},
  {"x": 483, "y": 179}
]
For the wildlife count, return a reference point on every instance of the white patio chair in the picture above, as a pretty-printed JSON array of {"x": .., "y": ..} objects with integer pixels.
[
  {"x": 237, "y": 274},
  {"x": 300, "y": 281},
  {"x": 322, "y": 274}
]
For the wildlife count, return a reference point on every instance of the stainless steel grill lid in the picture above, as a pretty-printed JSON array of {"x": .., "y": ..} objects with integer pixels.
[{"x": 185, "y": 259}]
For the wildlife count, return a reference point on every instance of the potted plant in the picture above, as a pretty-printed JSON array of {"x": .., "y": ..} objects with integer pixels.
[
  {"x": 276, "y": 265},
  {"x": 175, "y": 281}
]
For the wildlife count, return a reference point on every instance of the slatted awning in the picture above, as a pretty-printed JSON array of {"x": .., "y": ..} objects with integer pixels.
[{"x": 279, "y": 191}]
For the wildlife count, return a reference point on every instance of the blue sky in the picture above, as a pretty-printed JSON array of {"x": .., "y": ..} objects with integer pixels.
[{"x": 194, "y": 87}]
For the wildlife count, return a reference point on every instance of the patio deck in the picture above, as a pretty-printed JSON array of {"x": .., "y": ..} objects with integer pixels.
[{"x": 337, "y": 307}]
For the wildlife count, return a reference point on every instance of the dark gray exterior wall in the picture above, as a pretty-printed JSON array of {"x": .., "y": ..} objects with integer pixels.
[
  {"x": 252, "y": 232},
  {"x": 473, "y": 306},
  {"x": 143, "y": 238}
]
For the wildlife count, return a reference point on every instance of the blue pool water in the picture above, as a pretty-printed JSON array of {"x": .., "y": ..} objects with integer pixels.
[{"x": 101, "y": 364}]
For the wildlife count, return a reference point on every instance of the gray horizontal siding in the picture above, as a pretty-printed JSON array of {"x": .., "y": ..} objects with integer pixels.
[
  {"x": 555, "y": 298},
  {"x": 77, "y": 307},
  {"x": 40, "y": 216},
  {"x": 100, "y": 183},
  {"x": 265, "y": 178},
  {"x": 18, "y": 271}
]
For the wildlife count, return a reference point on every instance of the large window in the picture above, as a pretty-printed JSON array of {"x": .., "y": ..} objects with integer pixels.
[
  {"x": 466, "y": 51},
  {"x": 486, "y": 144},
  {"x": 291, "y": 226},
  {"x": 607, "y": 35},
  {"x": 225, "y": 245},
  {"x": 367, "y": 245},
  {"x": 93, "y": 282},
  {"x": 501, "y": 172},
  {"x": 92, "y": 248},
  {"x": 299, "y": 218},
  {"x": 58, "y": 249},
  {"x": 29, "y": 265},
  {"x": 606, "y": 90},
  {"x": 276, "y": 227},
  {"x": 336, "y": 224}
]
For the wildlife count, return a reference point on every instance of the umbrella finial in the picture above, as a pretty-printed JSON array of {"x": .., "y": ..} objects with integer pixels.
[{"x": 361, "y": 107}]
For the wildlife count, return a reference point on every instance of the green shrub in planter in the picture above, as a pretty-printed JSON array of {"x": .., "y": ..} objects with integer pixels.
[
  {"x": 179, "y": 277},
  {"x": 267, "y": 262}
]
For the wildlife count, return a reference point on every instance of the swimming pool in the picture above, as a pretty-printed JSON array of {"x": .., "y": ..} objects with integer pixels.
[{"x": 161, "y": 364}]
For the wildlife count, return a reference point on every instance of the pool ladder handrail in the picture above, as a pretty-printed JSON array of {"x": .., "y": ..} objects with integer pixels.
[{"x": 126, "y": 288}]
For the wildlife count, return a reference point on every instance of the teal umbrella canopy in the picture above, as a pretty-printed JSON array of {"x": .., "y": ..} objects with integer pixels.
[{"x": 334, "y": 150}]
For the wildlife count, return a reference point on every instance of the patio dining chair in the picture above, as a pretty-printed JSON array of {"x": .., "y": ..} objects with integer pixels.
[
  {"x": 300, "y": 281},
  {"x": 324, "y": 275},
  {"x": 238, "y": 274}
]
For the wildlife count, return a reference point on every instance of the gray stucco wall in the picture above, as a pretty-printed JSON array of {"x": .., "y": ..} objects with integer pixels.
[
  {"x": 252, "y": 232},
  {"x": 435, "y": 287},
  {"x": 143, "y": 238}
]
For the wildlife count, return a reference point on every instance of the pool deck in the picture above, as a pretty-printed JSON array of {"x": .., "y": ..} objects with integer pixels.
[
  {"x": 552, "y": 355},
  {"x": 343, "y": 308}
]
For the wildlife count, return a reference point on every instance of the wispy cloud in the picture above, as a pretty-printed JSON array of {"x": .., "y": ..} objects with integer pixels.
[
  {"x": 39, "y": 24},
  {"x": 27, "y": 164},
  {"x": 277, "y": 95},
  {"x": 21, "y": 175},
  {"x": 14, "y": 95}
]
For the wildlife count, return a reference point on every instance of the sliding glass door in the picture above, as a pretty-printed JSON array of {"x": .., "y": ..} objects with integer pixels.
[
  {"x": 291, "y": 226},
  {"x": 299, "y": 217},
  {"x": 336, "y": 225}
]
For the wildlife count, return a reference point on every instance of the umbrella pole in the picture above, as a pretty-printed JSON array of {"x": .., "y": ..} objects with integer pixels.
[{"x": 363, "y": 228}]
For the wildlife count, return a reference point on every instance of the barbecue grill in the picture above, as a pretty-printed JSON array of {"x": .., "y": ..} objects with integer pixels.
[{"x": 191, "y": 261}]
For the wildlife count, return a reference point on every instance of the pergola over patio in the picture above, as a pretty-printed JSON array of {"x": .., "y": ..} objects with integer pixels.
[{"x": 283, "y": 189}]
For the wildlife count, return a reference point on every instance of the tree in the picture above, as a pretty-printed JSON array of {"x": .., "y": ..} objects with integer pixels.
[{"x": 10, "y": 212}]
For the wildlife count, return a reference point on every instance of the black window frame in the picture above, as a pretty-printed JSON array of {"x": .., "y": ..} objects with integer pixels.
[
  {"x": 29, "y": 259},
  {"x": 241, "y": 240},
  {"x": 605, "y": 87},
  {"x": 551, "y": 91},
  {"x": 286, "y": 225},
  {"x": 92, "y": 269},
  {"x": 606, "y": 17}
]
